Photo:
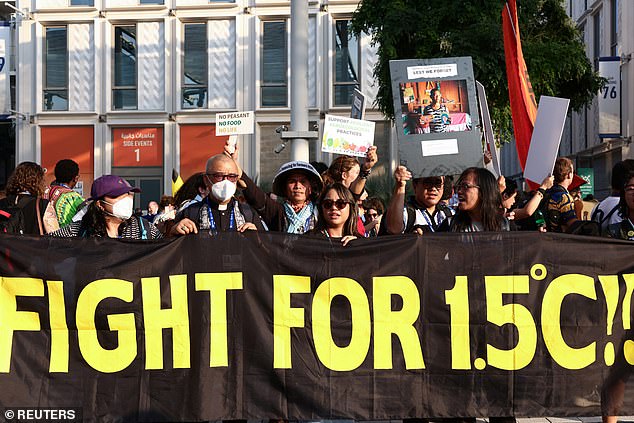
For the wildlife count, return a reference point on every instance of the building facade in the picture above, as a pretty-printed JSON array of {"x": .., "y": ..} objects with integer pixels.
[
  {"x": 132, "y": 87},
  {"x": 606, "y": 29}
]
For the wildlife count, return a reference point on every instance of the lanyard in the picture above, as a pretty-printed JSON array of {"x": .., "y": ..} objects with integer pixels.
[
  {"x": 429, "y": 219},
  {"x": 143, "y": 230},
  {"x": 213, "y": 229}
]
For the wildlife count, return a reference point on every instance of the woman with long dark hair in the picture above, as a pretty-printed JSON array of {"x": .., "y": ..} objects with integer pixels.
[
  {"x": 110, "y": 213},
  {"x": 479, "y": 204},
  {"x": 25, "y": 189},
  {"x": 338, "y": 214}
]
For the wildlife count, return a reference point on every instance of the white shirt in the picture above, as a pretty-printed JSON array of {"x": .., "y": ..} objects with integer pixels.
[{"x": 609, "y": 206}]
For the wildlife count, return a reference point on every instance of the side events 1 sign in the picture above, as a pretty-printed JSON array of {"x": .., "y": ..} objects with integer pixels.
[{"x": 137, "y": 147}]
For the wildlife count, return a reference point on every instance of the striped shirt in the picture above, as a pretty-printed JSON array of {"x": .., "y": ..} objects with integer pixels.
[
  {"x": 131, "y": 230},
  {"x": 436, "y": 123}
]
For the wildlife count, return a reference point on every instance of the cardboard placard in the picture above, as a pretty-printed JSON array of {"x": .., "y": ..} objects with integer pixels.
[
  {"x": 436, "y": 115},
  {"x": 549, "y": 125}
]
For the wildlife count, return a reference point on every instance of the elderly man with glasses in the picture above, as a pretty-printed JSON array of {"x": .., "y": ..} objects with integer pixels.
[
  {"x": 423, "y": 212},
  {"x": 220, "y": 211}
]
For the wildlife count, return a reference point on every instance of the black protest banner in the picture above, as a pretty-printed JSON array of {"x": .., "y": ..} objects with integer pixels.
[{"x": 266, "y": 325}]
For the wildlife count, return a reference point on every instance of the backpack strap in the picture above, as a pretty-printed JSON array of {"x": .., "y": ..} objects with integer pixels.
[
  {"x": 38, "y": 215},
  {"x": 247, "y": 212},
  {"x": 411, "y": 219},
  {"x": 143, "y": 229}
]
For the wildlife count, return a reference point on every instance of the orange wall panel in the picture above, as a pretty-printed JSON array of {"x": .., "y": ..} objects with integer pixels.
[
  {"x": 69, "y": 142},
  {"x": 197, "y": 144}
]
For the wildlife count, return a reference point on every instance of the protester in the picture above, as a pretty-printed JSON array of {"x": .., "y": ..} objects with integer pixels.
[
  {"x": 110, "y": 213},
  {"x": 509, "y": 195},
  {"x": 479, "y": 203},
  {"x": 152, "y": 211},
  {"x": 374, "y": 209},
  {"x": 219, "y": 211},
  {"x": 560, "y": 205},
  {"x": 625, "y": 228},
  {"x": 348, "y": 171},
  {"x": 167, "y": 210},
  {"x": 64, "y": 202},
  {"x": 298, "y": 184},
  {"x": 423, "y": 212},
  {"x": 192, "y": 191},
  {"x": 337, "y": 214},
  {"x": 606, "y": 212},
  {"x": 24, "y": 206}
]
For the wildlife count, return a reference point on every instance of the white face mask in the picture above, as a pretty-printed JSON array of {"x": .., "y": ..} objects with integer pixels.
[
  {"x": 122, "y": 209},
  {"x": 223, "y": 190}
]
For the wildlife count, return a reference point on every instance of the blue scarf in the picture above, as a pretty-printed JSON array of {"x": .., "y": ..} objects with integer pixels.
[{"x": 299, "y": 223}]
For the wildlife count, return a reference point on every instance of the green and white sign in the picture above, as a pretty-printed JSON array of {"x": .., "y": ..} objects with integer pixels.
[
  {"x": 235, "y": 123},
  {"x": 587, "y": 174},
  {"x": 348, "y": 136}
]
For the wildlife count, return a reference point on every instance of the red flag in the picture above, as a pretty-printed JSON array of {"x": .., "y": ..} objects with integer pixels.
[{"x": 521, "y": 96}]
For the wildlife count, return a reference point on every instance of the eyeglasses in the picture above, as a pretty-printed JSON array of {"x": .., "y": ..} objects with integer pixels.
[
  {"x": 430, "y": 185},
  {"x": 465, "y": 186},
  {"x": 629, "y": 189},
  {"x": 218, "y": 177},
  {"x": 339, "y": 204}
]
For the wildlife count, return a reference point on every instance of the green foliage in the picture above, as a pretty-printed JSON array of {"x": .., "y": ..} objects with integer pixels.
[{"x": 552, "y": 46}]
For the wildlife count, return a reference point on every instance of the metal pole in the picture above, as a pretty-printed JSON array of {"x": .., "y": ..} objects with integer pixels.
[{"x": 299, "y": 78}]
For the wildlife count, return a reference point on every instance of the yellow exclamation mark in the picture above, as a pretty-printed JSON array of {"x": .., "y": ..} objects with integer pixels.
[
  {"x": 610, "y": 286},
  {"x": 628, "y": 346}
]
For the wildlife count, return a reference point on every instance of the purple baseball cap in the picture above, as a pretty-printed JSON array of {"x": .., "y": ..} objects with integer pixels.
[{"x": 111, "y": 186}]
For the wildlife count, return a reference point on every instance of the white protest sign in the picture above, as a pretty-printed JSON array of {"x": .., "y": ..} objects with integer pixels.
[
  {"x": 432, "y": 71},
  {"x": 348, "y": 136},
  {"x": 549, "y": 125},
  {"x": 235, "y": 123},
  {"x": 488, "y": 129}
]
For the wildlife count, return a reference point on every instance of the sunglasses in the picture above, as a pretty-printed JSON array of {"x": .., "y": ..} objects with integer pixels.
[
  {"x": 339, "y": 204},
  {"x": 218, "y": 177},
  {"x": 430, "y": 185}
]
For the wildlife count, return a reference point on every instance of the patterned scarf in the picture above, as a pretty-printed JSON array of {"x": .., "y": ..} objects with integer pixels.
[{"x": 299, "y": 223}]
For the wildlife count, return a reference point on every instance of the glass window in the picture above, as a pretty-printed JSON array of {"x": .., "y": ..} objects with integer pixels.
[
  {"x": 151, "y": 2},
  {"x": 614, "y": 27},
  {"x": 124, "y": 89},
  {"x": 55, "y": 68},
  {"x": 346, "y": 76},
  {"x": 90, "y": 3},
  {"x": 194, "y": 78},
  {"x": 274, "y": 67}
]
